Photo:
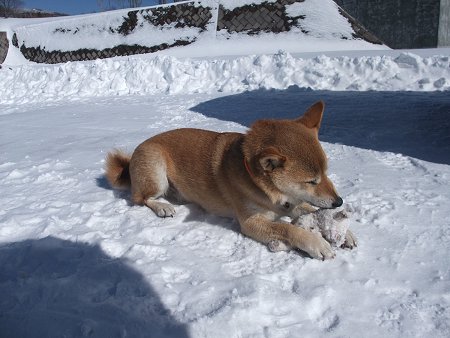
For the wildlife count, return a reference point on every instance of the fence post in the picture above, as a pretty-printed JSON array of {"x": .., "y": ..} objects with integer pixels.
[
  {"x": 444, "y": 24},
  {"x": 214, "y": 4}
]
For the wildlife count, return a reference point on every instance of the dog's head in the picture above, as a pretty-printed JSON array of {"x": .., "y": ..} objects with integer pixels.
[{"x": 289, "y": 162}]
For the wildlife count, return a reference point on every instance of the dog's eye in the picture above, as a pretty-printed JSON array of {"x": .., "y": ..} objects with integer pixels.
[
  {"x": 287, "y": 205},
  {"x": 313, "y": 182}
]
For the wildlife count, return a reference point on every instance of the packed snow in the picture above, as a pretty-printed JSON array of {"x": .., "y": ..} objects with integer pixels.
[{"x": 77, "y": 259}]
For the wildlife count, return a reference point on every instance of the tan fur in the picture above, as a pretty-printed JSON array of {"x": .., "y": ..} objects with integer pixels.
[
  {"x": 117, "y": 172},
  {"x": 270, "y": 172}
]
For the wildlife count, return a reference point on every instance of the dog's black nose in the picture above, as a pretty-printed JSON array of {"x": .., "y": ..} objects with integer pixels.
[{"x": 337, "y": 203}]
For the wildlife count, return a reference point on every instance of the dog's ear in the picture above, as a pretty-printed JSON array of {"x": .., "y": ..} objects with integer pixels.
[
  {"x": 270, "y": 158},
  {"x": 313, "y": 116}
]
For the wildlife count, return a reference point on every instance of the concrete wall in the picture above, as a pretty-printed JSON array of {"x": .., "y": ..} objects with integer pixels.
[
  {"x": 400, "y": 23},
  {"x": 444, "y": 24}
]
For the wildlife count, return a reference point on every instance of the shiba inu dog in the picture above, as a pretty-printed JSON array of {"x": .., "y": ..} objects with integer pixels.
[{"x": 278, "y": 168}]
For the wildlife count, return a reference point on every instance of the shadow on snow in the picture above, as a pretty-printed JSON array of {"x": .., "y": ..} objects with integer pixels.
[
  {"x": 415, "y": 124},
  {"x": 56, "y": 288}
]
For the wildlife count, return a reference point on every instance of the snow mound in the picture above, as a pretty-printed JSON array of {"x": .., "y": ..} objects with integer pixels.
[{"x": 166, "y": 74}]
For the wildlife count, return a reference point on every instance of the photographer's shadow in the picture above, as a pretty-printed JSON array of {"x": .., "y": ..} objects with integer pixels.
[{"x": 56, "y": 288}]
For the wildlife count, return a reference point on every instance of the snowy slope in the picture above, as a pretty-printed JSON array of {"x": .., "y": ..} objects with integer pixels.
[
  {"x": 96, "y": 31},
  {"x": 321, "y": 28}
]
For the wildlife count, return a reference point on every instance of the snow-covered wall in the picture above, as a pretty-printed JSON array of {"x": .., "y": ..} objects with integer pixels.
[
  {"x": 114, "y": 33},
  {"x": 151, "y": 29}
]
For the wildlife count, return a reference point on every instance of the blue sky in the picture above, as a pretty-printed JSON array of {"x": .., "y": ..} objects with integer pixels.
[{"x": 71, "y": 7}]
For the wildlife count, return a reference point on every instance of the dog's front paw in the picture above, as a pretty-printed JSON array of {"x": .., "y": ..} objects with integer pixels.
[
  {"x": 317, "y": 247},
  {"x": 350, "y": 241}
]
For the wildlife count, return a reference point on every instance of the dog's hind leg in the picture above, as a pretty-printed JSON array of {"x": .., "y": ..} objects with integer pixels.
[
  {"x": 149, "y": 180},
  {"x": 160, "y": 208}
]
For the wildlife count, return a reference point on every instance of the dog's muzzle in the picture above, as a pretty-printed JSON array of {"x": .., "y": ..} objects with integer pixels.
[{"x": 337, "y": 203}]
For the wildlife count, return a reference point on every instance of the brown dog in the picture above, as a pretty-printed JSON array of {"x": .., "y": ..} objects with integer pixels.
[{"x": 277, "y": 169}]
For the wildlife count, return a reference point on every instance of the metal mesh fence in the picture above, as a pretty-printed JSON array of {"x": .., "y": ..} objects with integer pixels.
[
  {"x": 4, "y": 45},
  {"x": 177, "y": 16},
  {"x": 247, "y": 19},
  {"x": 252, "y": 19}
]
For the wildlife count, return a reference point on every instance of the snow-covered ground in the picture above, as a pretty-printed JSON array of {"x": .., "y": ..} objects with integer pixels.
[{"x": 78, "y": 260}]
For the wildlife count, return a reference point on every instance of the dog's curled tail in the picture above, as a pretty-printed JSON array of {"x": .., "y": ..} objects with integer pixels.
[{"x": 117, "y": 169}]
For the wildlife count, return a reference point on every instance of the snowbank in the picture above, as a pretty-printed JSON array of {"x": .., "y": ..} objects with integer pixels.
[{"x": 165, "y": 74}]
